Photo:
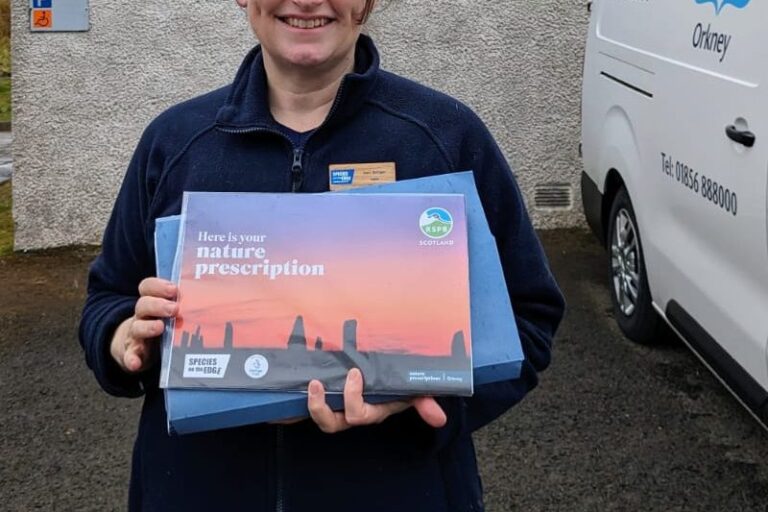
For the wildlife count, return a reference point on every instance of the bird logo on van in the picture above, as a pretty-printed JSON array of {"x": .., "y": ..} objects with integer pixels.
[{"x": 719, "y": 4}]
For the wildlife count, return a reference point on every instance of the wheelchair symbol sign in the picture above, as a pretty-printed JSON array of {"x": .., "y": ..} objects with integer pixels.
[
  {"x": 41, "y": 4},
  {"x": 42, "y": 18}
]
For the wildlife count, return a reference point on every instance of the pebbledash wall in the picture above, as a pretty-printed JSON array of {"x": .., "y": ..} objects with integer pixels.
[{"x": 81, "y": 100}]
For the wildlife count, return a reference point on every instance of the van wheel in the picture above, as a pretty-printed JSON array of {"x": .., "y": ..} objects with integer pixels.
[{"x": 630, "y": 293}]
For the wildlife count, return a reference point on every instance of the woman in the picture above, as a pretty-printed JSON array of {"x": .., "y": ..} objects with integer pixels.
[{"x": 309, "y": 96}]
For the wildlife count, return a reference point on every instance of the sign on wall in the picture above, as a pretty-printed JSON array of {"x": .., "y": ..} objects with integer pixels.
[{"x": 58, "y": 15}]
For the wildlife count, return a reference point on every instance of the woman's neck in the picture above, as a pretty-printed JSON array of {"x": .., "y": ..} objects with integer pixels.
[{"x": 301, "y": 99}]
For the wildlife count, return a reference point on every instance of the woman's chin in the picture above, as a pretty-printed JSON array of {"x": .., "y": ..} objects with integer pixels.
[
  {"x": 308, "y": 59},
  {"x": 317, "y": 54}
]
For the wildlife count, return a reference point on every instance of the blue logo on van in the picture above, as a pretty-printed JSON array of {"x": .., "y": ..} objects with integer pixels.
[{"x": 719, "y": 4}]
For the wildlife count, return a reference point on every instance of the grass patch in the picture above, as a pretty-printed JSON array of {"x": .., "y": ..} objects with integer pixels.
[
  {"x": 5, "y": 100},
  {"x": 5, "y": 56},
  {"x": 6, "y": 220}
]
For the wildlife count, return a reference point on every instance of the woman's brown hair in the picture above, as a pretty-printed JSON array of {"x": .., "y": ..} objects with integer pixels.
[{"x": 366, "y": 11}]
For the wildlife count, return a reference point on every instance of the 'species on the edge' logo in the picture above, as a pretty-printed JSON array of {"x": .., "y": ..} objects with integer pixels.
[
  {"x": 342, "y": 176},
  {"x": 720, "y": 4},
  {"x": 436, "y": 222}
]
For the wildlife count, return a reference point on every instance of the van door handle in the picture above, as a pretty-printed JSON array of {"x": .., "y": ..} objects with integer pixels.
[{"x": 744, "y": 137}]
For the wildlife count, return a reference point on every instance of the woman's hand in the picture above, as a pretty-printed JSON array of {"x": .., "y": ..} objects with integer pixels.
[
  {"x": 133, "y": 345},
  {"x": 357, "y": 413}
]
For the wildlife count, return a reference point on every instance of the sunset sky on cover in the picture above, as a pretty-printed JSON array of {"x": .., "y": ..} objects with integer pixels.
[{"x": 405, "y": 297}]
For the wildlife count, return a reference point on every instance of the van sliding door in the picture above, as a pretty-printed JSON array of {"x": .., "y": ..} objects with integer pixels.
[{"x": 711, "y": 172}]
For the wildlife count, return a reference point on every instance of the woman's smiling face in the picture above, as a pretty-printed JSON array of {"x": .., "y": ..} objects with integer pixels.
[{"x": 306, "y": 33}]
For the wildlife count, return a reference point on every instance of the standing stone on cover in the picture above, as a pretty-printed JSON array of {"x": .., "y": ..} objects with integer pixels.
[
  {"x": 297, "y": 339},
  {"x": 228, "y": 336},
  {"x": 350, "y": 336},
  {"x": 197, "y": 340},
  {"x": 458, "y": 348}
]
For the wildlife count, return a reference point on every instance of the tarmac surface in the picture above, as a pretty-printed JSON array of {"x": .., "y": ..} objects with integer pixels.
[{"x": 612, "y": 426}]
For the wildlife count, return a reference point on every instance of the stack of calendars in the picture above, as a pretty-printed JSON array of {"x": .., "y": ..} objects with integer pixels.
[{"x": 403, "y": 282}]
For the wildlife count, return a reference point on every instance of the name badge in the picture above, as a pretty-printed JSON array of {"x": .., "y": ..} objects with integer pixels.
[{"x": 347, "y": 176}]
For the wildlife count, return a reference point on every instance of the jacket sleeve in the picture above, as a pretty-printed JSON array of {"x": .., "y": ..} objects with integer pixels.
[
  {"x": 115, "y": 275},
  {"x": 536, "y": 299}
]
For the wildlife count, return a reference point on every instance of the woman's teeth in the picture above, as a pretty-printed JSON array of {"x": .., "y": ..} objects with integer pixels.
[{"x": 304, "y": 23}]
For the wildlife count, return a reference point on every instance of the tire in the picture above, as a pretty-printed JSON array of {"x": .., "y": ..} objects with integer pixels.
[{"x": 630, "y": 293}]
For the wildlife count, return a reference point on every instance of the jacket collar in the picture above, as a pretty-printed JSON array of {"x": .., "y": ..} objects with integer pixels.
[{"x": 247, "y": 105}]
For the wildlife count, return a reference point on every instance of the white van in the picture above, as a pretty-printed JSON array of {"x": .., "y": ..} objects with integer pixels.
[{"x": 675, "y": 149}]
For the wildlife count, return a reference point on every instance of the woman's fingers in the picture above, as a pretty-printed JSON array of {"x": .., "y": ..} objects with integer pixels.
[
  {"x": 133, "y": 343},
  {"x": 156, "y": 287},
  {"x": 430, "y": 411},
  {"x": 143, "y": 329},
  {"x": 357, "y": 412},
  {"x": 132, "y": 360},
  {"x": 136, "y": 357},
  {"x": 327, "y": 420},
  {"x": 138, "y": 344},
  {"x": 155, "y": 307}
]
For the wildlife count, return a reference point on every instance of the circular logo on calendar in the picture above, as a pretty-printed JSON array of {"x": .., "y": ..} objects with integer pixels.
[
  {"x": 256, "y": 366},
  {"x": 436, "y": 222}
]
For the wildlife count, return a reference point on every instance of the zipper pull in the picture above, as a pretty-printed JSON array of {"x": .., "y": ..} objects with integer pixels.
[{"x": 297, "y": 171}]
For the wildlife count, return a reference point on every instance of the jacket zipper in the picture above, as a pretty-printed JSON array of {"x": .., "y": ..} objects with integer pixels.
[
  {"x": 279, "y": 500},
  {"x": 297, "y": 170},
  {"x": 297, "y": 167}
]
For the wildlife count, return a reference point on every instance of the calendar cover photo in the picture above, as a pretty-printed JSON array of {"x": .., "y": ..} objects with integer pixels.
[{"x": 278, "y": 289}]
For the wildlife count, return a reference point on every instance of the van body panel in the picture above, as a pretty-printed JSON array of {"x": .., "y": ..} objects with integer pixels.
[{"x": 662, "y": 81}]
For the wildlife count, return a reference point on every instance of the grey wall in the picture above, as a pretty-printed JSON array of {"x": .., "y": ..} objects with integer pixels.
[{"x": 81, "y": 100}]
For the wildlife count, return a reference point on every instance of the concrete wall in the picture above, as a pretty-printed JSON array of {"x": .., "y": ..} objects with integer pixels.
[{"x": 81, "y": 100}]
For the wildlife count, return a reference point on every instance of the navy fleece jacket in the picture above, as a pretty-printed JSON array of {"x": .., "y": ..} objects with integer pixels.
[{"x": 228, "y": 141}]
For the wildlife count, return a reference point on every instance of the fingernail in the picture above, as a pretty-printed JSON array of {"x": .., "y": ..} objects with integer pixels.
[
  {"x": 314, "y": 388},
  {"x": 171, "y": 310},
  {"x": 353, "y": 376}
]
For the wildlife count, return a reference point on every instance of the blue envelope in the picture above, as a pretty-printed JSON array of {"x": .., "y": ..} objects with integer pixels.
[{"x": 496, "y": 351}]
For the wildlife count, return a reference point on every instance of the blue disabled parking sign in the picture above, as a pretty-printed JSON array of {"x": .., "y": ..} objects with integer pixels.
[{"x": 59, "y": 15}]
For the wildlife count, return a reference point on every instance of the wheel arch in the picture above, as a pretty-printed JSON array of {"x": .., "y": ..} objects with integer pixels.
[
  {"x": 620, "y": 155},
  {"x": 613, "y": 183}
]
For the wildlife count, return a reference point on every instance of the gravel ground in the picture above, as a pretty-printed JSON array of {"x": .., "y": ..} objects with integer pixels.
[{"x": 613, "y": 426}]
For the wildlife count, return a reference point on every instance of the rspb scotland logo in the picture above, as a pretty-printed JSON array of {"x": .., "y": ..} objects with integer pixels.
[
  {"x": 436, "y": 223},
  {"x": 720, "y": 4}
]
